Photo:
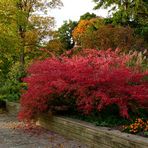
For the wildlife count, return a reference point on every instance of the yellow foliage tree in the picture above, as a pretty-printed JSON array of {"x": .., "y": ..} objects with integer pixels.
[{"x": 84, "y": 26}]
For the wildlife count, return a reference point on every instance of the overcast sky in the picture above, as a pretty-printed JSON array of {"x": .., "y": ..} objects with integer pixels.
[{"x": 73, "y": 9}]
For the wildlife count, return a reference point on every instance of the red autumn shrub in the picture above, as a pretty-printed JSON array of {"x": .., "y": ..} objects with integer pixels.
[{"x": 95, "y": 78}]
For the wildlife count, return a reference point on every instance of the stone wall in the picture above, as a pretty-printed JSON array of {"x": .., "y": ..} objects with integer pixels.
[{"x": 94, "y": 137}]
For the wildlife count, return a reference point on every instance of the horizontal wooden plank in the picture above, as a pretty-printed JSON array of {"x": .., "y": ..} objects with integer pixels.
[{"x": 92, "y": 135}]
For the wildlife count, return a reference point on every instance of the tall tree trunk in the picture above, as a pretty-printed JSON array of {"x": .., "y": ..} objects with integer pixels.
[{"x": 22, "y": 55}]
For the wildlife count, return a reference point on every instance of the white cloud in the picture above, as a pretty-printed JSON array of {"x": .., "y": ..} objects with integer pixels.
[{"x": 73, "y": 9}]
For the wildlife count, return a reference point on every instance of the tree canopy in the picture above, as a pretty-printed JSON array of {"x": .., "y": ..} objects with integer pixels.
[
  {"x": 87, "y": 16},
  {"x": 64, "y": 34},
  {"x": 126, "y": 10},
  {"x": 24, "y": 24}
]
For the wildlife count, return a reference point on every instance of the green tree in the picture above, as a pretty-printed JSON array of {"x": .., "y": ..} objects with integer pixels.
[
  {"x": 8, "y": 31},
  {"x": 33, "y": 22},
  {"x": 126, "y": 10},
  {"x": 9, "y": 40},
  {"x": 64, "y": 34},
  {"x": 23, "y": 24},
  {"x": 55, "y": 47},
  {"x": 25, "y": 21},
  {"x": 87, "y": 16}
]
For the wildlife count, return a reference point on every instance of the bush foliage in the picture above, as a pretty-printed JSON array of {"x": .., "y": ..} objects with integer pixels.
[
  {"x": 94, "y": 79},
  {"x": 109, "y": 36},
  {"x": 11, "y": 85}
]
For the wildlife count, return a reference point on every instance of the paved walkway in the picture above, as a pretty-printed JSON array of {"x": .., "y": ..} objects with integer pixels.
[{"x": 13, "y": 134}]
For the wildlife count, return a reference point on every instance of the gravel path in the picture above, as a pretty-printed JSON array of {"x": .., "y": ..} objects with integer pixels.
[{"x": 13, "y": 135}]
